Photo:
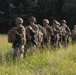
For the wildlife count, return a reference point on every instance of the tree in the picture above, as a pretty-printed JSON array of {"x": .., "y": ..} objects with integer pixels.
[{"x": 50, "y": 9}]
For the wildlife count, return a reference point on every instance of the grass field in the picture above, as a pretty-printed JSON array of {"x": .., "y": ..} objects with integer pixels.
[{"x": 46, "y": 62}]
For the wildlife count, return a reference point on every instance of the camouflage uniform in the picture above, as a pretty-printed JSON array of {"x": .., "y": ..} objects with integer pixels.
[
  {"x": 47, "y": 32},
  {"x": 40, "y": 35},
  {"x": 74, "y": 35},
  {"x": 56, "y": 36},
  {"x": 31, "y": 35},
  {"x": 65, "y": 32},
  {"x": 18, "y": 45}
]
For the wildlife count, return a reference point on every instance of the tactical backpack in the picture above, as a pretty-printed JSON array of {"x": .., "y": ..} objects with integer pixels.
[{"x": 11, "y": 36}]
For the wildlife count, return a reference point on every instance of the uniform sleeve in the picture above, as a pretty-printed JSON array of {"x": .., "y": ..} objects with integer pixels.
[
  {"x": 50, "y": 30},
  {"x": 23, "y": 32},
  {"x": 41, "y": 28},
  {"x": 58, "y": 29},
  {"x": 67, "y": 28}
]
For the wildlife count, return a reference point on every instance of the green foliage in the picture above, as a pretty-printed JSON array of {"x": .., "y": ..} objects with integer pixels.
[{"x": 46, "y": 62}]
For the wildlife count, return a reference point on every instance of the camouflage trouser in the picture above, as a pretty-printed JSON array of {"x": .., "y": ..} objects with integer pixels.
[
  {"x": 73, "y": 40},
  {"x": 55, "y": 41},
  {"x": 65, "y": 40},
  {"x": 46, "y": 41},
  {"x": 29, "y": 45},
  {"x": 18, "y": 51}
]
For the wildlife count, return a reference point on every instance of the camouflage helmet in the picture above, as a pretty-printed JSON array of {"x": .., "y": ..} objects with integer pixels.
[
  {"x": 63, "y": 21},
  {"x": 58, "y": 23},
  {"x": 55, "y": 21},
  {"x": 32, "y": 19},
  {"x": 46, "y": 21},
  {"x": 74, "y": 26},
  {"x": 19, "y": 20}
]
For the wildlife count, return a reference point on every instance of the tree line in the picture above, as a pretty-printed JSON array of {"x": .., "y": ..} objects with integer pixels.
[{"x": 50, "y": 9}]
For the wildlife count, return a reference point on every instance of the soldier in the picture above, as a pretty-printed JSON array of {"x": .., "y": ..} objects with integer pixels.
[
  {"x": 48, "y": 32},
  {"x": 31, "y": 34},
  {"x": 55, "y": 26},
  {"x": 56, "y": 37},
  {"x": 18, "y": 45},
  {"x": 65, "y": 30},
  {"x": 74, "y": 35},
  {"x": 40, "y": 35}
]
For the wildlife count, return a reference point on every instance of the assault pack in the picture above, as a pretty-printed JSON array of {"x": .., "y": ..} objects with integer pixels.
[{"x": 11, "y": 35}]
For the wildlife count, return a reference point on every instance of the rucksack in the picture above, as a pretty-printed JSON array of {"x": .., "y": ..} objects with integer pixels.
[{"x": 11, "y": 36}]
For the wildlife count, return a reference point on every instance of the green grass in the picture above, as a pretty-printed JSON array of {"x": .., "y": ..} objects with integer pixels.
[{"x": 46, "y": 62}]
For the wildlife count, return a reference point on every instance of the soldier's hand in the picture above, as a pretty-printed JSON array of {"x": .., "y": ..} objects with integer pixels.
[
  {"x": 30, "y": 28},
  {"x": 16, "y": 32},
  {"x": 54, "y": 29}
]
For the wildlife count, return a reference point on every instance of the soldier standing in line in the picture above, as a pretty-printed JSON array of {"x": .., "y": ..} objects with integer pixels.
[
  {"x": 65, "y": 33},
  {"x": 18, "y": 45},
  {"x": 56, "y": 36},
  {"x": 74, "y": 35},
  {"x": 31, "y": 35},
  {"x": 48, "y": 32}
]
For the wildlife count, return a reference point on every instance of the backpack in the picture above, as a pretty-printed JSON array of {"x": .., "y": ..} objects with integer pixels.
[{"x": 11, "y": 36}]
